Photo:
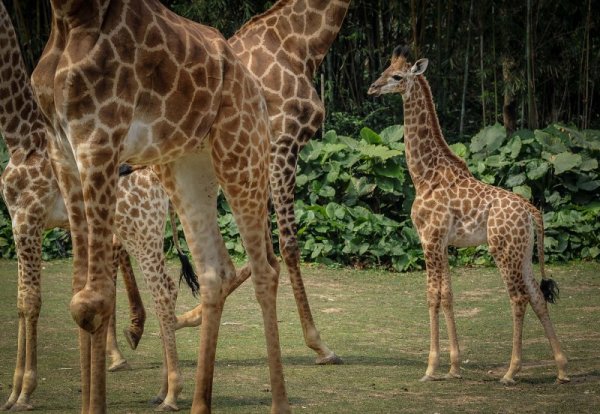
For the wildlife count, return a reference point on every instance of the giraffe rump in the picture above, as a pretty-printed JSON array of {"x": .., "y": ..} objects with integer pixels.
[{"x": 550, "y": 290}]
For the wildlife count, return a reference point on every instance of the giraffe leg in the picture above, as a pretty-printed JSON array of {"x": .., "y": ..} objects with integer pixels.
[
  {"x": 147, "y": 248},
  {"x": 254, "y": 227},
  {"x": 434, "y": 261},
  {"x": 283, "y": 185},
  {"x": 519, "y": 305},
  {"x": 171, "y": 384},
  {"x": 540, "y": 307},
  {"x": 137, "y": 314},
  {"x": 90, "y": 197},
  {"x": 29, "y": 303},
  {"x": 192, "y": 187},
  {"x": 510, "y": 258},
  {"x": 112, "y": 348},
  {"x": 193, "y": 317},
  {"x": 119, "y": 363},
  {"x": 448, "y": 308}
]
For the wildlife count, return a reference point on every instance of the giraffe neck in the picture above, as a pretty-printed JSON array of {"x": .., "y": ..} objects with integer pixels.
[
  {"x": 75, "y": 13},
  {"x": 428, "y": 156},
  {"x": 19, "y": 114},
  {"x": 304, "y": 29}
]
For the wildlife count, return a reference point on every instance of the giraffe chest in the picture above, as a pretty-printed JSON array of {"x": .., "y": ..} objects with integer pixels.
[{"x": 469, "y": 222}]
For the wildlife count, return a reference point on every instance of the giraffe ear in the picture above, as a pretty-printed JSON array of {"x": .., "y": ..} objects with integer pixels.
[{"x": 419, "y": 67}]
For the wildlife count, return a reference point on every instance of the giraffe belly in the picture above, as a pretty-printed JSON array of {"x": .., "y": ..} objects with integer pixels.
[
  {"x": 467, "y": 236},
  {"x": 142, "y": 145}
]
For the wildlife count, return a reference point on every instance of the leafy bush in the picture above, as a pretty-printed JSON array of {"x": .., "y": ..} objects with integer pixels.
[{"x": 354, "y": 195}]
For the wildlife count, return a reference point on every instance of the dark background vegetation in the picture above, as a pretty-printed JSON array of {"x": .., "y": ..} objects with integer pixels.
[{"x": 516, "y": 88}]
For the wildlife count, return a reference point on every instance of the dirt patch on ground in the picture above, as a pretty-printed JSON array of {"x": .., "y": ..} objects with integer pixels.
[
  {"x": 467, "y": 313},
  {"x": 332, "y": 310}
]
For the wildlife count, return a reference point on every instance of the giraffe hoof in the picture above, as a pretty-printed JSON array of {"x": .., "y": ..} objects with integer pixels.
[
  {"x": 563, "y": 380},
  {"x": 428, "y": 378},
  {"x": 6, "y": 406},
  {"x": 166, "y": 407},
  {"x": 451, "y": 375},
  {"x": 132, "y": 338},
  {"x": 332, "y": 359},
  {"x": 508, "y": 381},
  {"x": 156, "y": 400},
  {"x": 121, "y": 365},
  {"x": 21, "y": 407}
]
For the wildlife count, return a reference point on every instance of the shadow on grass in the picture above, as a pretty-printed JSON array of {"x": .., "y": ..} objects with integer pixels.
[{"x": 301, "y": 361}]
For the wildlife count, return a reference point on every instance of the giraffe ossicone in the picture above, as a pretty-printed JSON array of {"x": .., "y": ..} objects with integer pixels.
[{"x": 452, "y": 208}]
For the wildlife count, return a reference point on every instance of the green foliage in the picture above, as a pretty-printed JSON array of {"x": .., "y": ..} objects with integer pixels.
[{"x": 354, "y": 196}]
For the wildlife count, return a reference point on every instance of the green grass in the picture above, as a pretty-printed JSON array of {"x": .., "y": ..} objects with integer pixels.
[{"x": 376, "y": 321}]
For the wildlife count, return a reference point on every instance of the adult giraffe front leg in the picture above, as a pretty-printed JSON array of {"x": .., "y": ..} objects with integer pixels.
[{"x": 91, "y": 228}]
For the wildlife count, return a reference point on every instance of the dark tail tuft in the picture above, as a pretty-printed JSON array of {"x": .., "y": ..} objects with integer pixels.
[
  {"x": 188, "y": 274},
  {"x": 550, "y": 290}
]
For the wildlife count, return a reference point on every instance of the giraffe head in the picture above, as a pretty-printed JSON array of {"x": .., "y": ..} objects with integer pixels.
[{"x": 400, "y": 76}]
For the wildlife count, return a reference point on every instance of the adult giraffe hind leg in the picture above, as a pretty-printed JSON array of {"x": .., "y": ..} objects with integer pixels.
[{"x": 193, "y": 317}]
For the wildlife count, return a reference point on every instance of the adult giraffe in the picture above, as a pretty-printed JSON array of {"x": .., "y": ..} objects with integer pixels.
[
  {"x": 283, "y": 49},
  {"x": 32, "y": 195},
  {"x": 451, "y": 207},
  {"x": 128, "y": 80}
]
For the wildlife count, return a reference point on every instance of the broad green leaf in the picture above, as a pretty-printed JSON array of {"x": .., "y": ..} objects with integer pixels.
[
  {"x": 515, "y": 147},
  {"x": 589, "y": 185},
  {"x": 589, "y": 164},
  {"x": 515, "y": 180},
  {"x": 330, "y": 137},
  {"x": 378, "y": 151},
  {"x": 387, "y": 185},
  {"x": 390, "y": 169},
  {"x": 301, "y": 179},
  {"x": 392, "y": 133},
  {"x": 523, "y": 190},
  {"x": 480, "y": 167},
  {"x": 460, "y": 149},
  {"x": 489, "y": 139},
  {"x": 524, "y": 134},
  {"x": 351, "y": 142},
  {"x": 370, "y": 136},
  {"x": 495, "y": 161},
  {"x": 327, "y": 191},
  {"x": 565, "y": 161},
  {"x": 550, "y": 143},
  {"x": 537, "y": 169},
  {"x": 594, "y": 252},
  {"x": 361, "y": 187},
  {"x": 488, "y": 178},
  {"x": 334, "y": 172}
]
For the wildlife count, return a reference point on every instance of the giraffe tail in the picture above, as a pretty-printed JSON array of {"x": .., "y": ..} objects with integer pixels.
[
  {"x": 548, "y": 286},
  {"x": 187, "y": 270}
]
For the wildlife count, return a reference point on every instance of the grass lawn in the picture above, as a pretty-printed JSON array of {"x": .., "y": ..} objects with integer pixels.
[{"x": 376, "y": 321}]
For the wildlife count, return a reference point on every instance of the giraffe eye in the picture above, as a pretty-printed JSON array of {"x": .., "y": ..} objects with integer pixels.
[{"x": 397, "y": 77}]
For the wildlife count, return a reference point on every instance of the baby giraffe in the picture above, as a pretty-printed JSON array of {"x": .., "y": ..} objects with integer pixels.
[{"x": 453, "y": 208}]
